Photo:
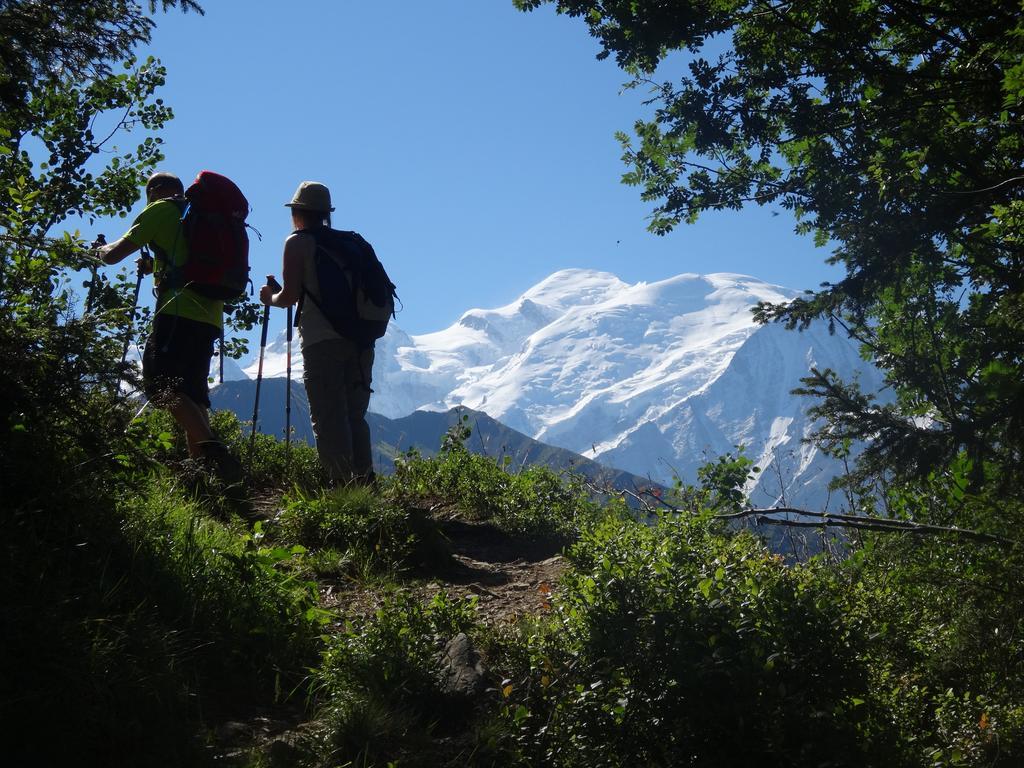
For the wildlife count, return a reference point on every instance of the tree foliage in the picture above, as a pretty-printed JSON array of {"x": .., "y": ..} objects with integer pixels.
[
  {"x": 893, "y": 132},
  {"x": 68, "y": 96},
  {"x": 67, "y": 40}
]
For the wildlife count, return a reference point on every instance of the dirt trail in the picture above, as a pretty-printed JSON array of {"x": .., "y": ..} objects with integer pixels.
[{"x": 511, "y": 576}]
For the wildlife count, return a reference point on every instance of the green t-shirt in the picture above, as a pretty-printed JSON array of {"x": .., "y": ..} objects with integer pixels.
[{"x": 159, "y": 226}]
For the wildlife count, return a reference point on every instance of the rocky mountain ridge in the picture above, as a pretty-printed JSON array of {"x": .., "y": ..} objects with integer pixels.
[{"x": 655, "y": 378}]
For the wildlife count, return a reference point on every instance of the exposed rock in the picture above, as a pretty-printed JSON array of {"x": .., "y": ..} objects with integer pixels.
[
  {"x": 461, "y": 671},
  {"x": 282, "y": 751}
]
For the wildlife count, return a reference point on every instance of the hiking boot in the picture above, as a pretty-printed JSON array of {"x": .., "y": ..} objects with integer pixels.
[{"x": 224, "y": 465}]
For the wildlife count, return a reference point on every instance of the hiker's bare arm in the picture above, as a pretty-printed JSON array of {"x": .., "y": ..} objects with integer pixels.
[
  {"x": 117, "y": 251},
  {"x": 291, "y": 273}
]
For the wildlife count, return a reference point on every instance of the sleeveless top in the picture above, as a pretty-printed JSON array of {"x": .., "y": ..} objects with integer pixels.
[{"x": 313, "y": 326}]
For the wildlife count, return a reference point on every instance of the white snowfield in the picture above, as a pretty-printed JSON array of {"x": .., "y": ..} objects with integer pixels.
[{"x": 655, "y": 378}]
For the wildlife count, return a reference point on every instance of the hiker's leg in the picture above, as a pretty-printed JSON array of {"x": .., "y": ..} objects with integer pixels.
[
  {"x": 194, "y": 419},
  {"x": 324, "y": 377},
  {"x": 175, "y": 367},
  {"x": 358, "y": 377}
]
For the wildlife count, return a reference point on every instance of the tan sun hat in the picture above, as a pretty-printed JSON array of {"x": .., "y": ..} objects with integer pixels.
[{"x": 311, "y": 196}]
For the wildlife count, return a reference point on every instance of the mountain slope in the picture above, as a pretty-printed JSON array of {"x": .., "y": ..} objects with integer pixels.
[
  {"x": 653, "y": 377},
  {"x": 421, "y": 430},
  {"x": 750, "y": 404}
]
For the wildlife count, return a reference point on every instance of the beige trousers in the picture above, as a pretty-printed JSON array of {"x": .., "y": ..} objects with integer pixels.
[{"x": 337, "y": 378}]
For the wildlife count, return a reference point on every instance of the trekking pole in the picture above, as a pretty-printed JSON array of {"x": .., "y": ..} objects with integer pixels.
[
  {"x": 288, "y": 399},
  {"x": 259, "y": 375},
  {"x": 136, "y": 417},
  {"x": 135, "y": 303},
  {"x": 99, "y": 242}
]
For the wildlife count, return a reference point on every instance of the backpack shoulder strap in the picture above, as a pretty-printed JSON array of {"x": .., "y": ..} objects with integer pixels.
[
  {"x": 318, "y": 235},
  {"x": 170, "y": 269}
]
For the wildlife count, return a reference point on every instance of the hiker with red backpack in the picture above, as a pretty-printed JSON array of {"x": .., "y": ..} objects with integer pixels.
[
  {"x": 345, "y": 300},
  {"x": 201, "y": 259}
]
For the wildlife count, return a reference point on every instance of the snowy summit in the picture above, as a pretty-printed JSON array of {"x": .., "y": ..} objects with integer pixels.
[{"x": 654, "y": 378}]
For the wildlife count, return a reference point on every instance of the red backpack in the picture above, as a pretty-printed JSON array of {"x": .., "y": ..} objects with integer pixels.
[{"x": 213, "y": 223}]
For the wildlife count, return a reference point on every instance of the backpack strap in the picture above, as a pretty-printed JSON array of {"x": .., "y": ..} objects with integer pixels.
[
  {"x": 312, "y": 232},
  {"x": 302, "y": 296},
  {"x": 170, "y": 277}
]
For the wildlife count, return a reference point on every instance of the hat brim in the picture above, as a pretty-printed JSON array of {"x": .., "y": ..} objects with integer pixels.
[{"x": 302, "y": 207}]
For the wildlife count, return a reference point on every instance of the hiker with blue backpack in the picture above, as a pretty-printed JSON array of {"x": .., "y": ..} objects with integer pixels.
[
  {"x": 345, "y": 300},
  {"x": 201, "y": 259}
]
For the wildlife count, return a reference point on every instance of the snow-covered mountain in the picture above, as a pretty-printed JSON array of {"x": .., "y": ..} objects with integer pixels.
[
  {"x": 232, "y": 370},
  {"x": 655, "y": 378}
]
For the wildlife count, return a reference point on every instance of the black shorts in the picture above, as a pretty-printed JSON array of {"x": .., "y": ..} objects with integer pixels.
[{"x": 177, "y": 359}]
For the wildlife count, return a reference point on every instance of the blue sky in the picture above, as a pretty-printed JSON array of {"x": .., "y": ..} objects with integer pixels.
[{"x": 472, "y": 144}]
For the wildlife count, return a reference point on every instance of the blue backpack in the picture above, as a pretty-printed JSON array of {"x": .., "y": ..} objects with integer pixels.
[{"x": 356, "y": 295}]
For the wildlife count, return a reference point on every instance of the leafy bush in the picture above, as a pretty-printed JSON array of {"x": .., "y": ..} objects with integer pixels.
[
  {"x": 679, "y": 643},
  {"x": 129, "y": 617},
  {"x": 534, "y": 502},
  {"x": 946, "y": 657},
  {"x": 674, "y": 645},
  {"x": 90, "y": 672},
  {"x": 268, "y": 462}
]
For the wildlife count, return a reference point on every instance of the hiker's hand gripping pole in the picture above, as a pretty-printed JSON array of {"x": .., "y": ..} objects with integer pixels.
[
  {"x": 94, "y": 246},
  {"x": 272, "y": 283}
]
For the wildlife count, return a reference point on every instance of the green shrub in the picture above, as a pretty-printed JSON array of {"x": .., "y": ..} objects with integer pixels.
[
  {"x": 674, "y": 645},
  {"x": 127, "y": 616},
  {"x": 91, "y": 673},
  {"x": 267, "y": 462},
  {"x": 534, "y": 502},
  {"x": 946, "y": 657},
  {"x": 232, "y": 590}
]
